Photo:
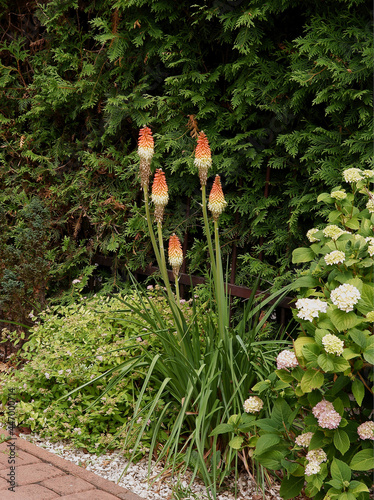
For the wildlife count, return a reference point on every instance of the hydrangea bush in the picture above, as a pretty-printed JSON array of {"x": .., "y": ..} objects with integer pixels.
[{"x": 321, "y": 430}]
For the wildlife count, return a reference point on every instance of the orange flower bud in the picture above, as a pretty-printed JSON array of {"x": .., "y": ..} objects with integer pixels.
[
  {"x": 160, "y": 195},
  {"x": 175, "y": 254},
  {"x": 217, "y": 201},
  {"x": 203, "y": 157}
]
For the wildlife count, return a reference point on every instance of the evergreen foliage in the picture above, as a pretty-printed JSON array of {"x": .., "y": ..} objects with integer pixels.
[
  {"x": 281, "y": 88},
  {"x": 26, "y": 261}
]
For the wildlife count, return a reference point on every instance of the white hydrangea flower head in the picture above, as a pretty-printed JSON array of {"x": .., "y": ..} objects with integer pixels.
[
  {"x": 332, "y": 344},
  {"x": 304, "y": 439},
  {"x": 312, "y": 468},
  {"x": 253, "y": 404},
  {"x": 345, "y": 297},
  {"x": 352, "y": 175},
  {"x": 339, "y": 195},
  {"x": 310, "y": 236},
  {"x": 370, "y": 240},
  {"x": 358, "y": 237},
  {"x": 366, "y": 430},
  {"x": 286, "y": 359},
  {"x": 310, "y": 308},
  {"x": 370, "y": 316},
  {"x": 317, "y": 456},
  {"x": 332, "y": 231},
  {"x": 368, "y": 174},
  {"x": 370, "y": 205},
  {"x": 335, "y": 257}
]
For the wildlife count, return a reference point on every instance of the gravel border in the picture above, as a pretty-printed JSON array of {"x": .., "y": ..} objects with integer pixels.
[{"x": 111, "y": 466}]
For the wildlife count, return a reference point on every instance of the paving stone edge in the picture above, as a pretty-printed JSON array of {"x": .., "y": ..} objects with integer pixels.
[{"x": 75, "y": 470}]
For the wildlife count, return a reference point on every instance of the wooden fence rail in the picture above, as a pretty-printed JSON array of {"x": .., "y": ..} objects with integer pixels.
[{"x": 189, "y": 279}]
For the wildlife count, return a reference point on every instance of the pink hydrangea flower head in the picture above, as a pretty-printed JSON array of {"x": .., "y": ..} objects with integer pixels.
[
  {"x": 366, "y": 430},
  {"x": 286, "y": 359},
  {"x": 329, "y": 420},
  {"x": 322, "y": 407}
]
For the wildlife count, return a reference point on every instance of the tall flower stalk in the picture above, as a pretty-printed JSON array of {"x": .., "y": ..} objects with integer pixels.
[
  {"x": 159, "y": 198},
  {"x": 203, "y": 161},
  {"x": 175, "y": 260},
  {"x": 216, "y": 205}
]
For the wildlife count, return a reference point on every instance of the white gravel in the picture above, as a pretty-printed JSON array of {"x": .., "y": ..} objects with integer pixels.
[{"x": 111, "y": 466}]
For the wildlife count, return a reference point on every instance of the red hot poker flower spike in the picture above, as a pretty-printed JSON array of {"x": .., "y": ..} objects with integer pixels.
[
  {"x": 203, "y": 157},
  {"x": 175, "y": 254},
  {"x": 160, "y": 195},
  {"x": 145, "y": 152},
  {"x": 145, "y": 144},
  {"x": 217, "y": 201}
]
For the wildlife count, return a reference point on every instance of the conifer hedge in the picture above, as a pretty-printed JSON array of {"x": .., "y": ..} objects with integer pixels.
[{"x": 281, "y": 88}]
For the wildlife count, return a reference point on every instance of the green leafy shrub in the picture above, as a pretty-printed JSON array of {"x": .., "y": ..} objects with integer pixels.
[
  {"x": 327, "y": 379},
  {"x": 25, "y": 256},
  {"x": 81, "y": 344}
]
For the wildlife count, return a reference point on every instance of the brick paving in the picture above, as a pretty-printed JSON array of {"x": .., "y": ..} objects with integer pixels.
[{"x": 40, "y": 475}]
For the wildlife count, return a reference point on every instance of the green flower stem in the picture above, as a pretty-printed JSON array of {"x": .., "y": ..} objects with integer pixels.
[
  {"x": 216, "y": 264},
  {"x": 219, "y": 285},
  {"x": 208, "y": 236},
  {"x": 177, "y": 290},
  {"x": 160, "y": 260},
  {"x": 162, "y": 249},
  {"x": 162, "y": 266}
]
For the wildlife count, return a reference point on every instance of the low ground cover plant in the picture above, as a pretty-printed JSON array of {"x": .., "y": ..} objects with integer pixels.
[
  {"x": 74, "y": 345},
  {"x": 320, "y": 432}
]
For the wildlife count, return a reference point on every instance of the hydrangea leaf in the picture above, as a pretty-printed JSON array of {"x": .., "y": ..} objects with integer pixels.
[
  {"x": 363, "y": 460},
  {"x": 358, "y": 390},
  {"x": 312, "y": 379},
  {"x": 365, "y": 304},
  {"x": 340, "y": 471},
  {"x": 236, "y": 442},
  {"x": 291, "y": 487},
  {"x": 302, "y": 254},
  {"x": 344, "y": 320},
  {"x": 332, "y": 363},
  {"x": 341, "y": 441},
  {"x": 298, "y": 346},
  {"x": 266, "y": 442}
]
